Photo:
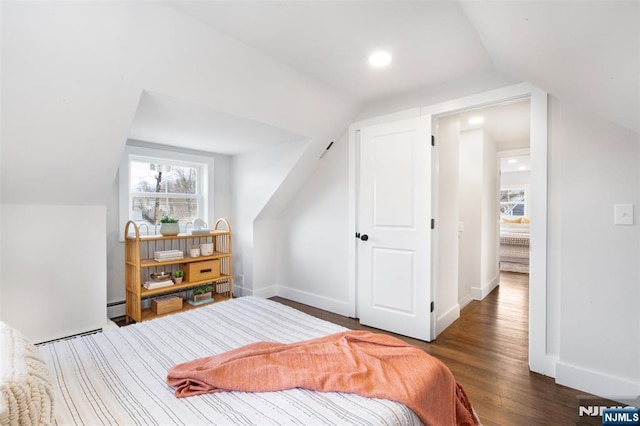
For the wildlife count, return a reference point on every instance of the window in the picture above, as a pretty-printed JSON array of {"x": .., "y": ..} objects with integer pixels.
[
  {"x": 156, "y": 183},
  {"x": 513, "y": 202}
]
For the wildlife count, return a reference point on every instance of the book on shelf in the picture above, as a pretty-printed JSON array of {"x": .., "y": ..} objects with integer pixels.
[
  {"x": 167, "y": 252},
  {"x": 151, "y": 285},
  {"x": 160, "y": 256},
  {"x": 166, "y": 259}
]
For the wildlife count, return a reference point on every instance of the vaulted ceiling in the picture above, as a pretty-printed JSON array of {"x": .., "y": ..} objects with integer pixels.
[{"x": 586, "y": 52}]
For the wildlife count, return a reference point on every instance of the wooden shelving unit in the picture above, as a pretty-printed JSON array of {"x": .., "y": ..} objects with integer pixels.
[{"x": 139, "y": 264}]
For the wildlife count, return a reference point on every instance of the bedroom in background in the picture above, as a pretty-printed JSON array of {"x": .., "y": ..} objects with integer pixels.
[{"x": 470, "y": 144}]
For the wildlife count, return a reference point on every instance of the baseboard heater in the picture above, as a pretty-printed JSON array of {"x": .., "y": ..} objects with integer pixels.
[{"x": 86, "y": 333}]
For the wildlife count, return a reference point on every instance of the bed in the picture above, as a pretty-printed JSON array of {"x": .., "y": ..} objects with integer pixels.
[
  {"x": 514, "y": 245},
  {"x": 119, "y": 376}
]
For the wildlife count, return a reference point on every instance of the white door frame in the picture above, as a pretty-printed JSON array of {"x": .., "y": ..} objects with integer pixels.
[{"x": 539, "y": 360}]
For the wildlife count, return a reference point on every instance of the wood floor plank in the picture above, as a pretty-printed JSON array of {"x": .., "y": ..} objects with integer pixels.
[{"x": 487, "y": 350}]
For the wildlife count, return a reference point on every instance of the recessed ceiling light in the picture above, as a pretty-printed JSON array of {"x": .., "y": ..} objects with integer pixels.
[
  {"x": 522, "y": 168},
  {"x": 512, "y": 161},
  {"x": 476, "y": 120},
  {"x": 380, "y": 59}
]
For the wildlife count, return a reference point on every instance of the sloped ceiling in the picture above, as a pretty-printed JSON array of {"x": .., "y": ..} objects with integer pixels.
[
  {"x": 167, "y": 120},
  {"x": 330, "y": 41},
  {"x": 586, "y": 52}
]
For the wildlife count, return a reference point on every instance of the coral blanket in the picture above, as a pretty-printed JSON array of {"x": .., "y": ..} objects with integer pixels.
[{"x": 368, "y": 364}]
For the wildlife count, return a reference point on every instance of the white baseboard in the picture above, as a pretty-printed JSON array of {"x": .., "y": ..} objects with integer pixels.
[
  {"x": 116, "y": 311},
  {"x": 110, "y": 325},
  {"x": 479, "y": 293},
  {"x": 265, "y": 292},
  {"x": 595, "y": 382},
  {"x": 446, "y": 319},
  {"x": 465, "y": 301},
  {"x": 543, "y": 364},
  {"x": 340, "y": 307}
]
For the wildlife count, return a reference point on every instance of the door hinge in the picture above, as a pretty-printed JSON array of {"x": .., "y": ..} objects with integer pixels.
[
  {"x": 433, "y": 140},
  {"x": 433, "y": 224},
  {"x": 433, "y": 306}
]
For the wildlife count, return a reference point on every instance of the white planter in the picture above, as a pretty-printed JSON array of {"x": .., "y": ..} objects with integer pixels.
[{"x": 169, "y": 229}]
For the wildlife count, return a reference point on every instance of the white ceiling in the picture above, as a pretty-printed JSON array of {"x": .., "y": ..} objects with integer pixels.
[
  {"x": 508, "y": 124},
  {"x": 587, "y": 52},
  {"x": 521, "y": 163},
  {"x": 329, "y": 41}
]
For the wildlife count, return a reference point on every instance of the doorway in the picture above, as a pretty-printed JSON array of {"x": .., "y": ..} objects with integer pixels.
[
  {"x": 473, "y": 218},
  {"x": 538, "y": 359}
]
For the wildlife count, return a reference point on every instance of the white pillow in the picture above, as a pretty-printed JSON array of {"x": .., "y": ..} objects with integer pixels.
[{"x": 26, "y": 395}]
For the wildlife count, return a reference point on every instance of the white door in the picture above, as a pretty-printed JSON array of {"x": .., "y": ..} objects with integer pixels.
[{"x": 394, "y": 227}]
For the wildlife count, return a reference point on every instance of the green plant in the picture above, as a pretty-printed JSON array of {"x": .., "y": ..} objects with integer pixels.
[
  {"x": 168, "y": 219},
  {"x": 178, "y": 274},
  {"x": 202, "y": 289}
]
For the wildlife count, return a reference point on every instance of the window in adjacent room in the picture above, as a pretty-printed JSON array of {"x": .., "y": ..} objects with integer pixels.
[
  {"x": 156, "y": 183},
  {"x": 513, "y": 201}
]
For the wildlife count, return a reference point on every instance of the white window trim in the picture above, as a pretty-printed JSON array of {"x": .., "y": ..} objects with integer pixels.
[{"x": 132, "y": 152}]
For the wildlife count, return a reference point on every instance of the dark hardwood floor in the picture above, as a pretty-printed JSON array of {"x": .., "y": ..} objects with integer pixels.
[{"x": 487, "y": 350}]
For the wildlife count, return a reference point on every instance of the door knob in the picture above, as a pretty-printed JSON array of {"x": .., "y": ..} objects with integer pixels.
[{"x": 364, "y": 237}]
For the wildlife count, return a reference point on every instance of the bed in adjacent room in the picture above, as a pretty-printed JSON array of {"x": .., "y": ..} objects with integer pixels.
[
  {"x": 120, "y": 376},
  {"x": 514, "y": 244}
]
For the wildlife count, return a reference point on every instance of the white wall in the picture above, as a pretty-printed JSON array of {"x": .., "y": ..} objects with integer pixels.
[
  {"x": 53, "y": 279},
  {"x": 256, "y": 176},
  {"x": 313, "y": 237},
  {"x": 597, "y": 283},
  {"x": 478, "y": 262},
  {"x": 489, "y": 212},
  {"x": 515, "y": 178},
  {"x": 470, "y": 196},
  {"x": 448, "y": 303}
]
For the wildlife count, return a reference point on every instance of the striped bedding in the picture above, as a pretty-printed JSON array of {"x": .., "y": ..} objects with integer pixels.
[{"x": 118, "y": 377}]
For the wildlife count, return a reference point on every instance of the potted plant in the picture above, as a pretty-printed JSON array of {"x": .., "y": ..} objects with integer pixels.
[
  {"x": 169, "y": 226},
  {"x": 178, "y": 276},
  {"x": 202, "y": 293}
]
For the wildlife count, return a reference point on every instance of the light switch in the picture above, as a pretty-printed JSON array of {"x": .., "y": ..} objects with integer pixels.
[{"x": 623, "y": 214}]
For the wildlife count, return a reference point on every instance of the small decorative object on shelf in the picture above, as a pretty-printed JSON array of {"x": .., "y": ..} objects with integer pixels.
[
  {"x": 206, "y": 249},
  {"x": 177, "y": 276},
  {"x": 160, "y": 276},
  {"x": 202, "y": 295},
  {"x": 166, "y": 304},
  {"x": 200, "y": 227},
  {"x": 169, "y": 226}
]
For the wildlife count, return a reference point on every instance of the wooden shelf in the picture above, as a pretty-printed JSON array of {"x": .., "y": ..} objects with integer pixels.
[
  {"x": 147, "y": 314},
  {"x": 137, "y": 269},
  {"x": 182, "y": 286},
  {"x": 150, "y": 263},
  {"x": 158, "y": 237}
]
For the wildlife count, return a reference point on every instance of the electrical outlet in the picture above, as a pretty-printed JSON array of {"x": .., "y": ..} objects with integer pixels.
[{"x": 623, "y": 214}]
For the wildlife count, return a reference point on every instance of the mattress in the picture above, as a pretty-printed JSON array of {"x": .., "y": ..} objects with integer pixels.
[
  {"x": 118, "y": 377},
  {"x": 515, "y": 239},
  {"x": 514, "y": 252}
]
